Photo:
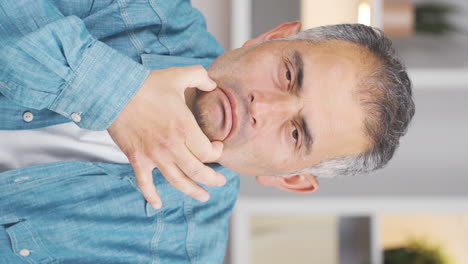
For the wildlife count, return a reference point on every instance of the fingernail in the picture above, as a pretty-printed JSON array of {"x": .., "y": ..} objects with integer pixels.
[
  {"x": 156, "y": 206},
  {"x": 204, "y": 198},
  {"x": 221, "y": 180}
]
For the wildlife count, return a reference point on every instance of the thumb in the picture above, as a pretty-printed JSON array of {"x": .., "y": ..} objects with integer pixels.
[
  {"x": 199, "y": 144},
  {"x": 196, "y": 77}
]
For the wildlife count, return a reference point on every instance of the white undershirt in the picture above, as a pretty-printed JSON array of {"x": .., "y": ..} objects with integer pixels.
[{"x": 63, "y": 142}]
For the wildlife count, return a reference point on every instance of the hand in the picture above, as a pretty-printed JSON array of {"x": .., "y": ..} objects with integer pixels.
[{"x": 157, "y": 130}]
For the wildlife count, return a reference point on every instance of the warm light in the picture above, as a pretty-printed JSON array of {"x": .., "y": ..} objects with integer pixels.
[
  {"x": 364, "y": 13},
  {"x": 319, "y": 12}
]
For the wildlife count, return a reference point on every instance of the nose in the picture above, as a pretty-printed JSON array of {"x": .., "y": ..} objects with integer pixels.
[{"x": 271, "y": 106}]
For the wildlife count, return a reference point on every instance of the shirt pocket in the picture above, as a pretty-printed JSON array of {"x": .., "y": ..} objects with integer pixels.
[{"x": 25, "y": 245}]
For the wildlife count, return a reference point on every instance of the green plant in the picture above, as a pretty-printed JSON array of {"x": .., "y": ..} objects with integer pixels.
[
  {"x": 432, "y": 18},
  {"x": 415, "y": 252}
]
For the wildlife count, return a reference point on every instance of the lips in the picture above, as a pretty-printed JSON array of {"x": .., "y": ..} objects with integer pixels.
[
  {"x": 230, "y": 115},
  {"x": 226, "y": 126},
  {"x": 215, "y": 113}
]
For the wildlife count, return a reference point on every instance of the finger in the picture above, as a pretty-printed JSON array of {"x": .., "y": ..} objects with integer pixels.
[
  {"x": 217, "y": 151},
  {"x": 180, "y": 181},
  {"x": 198, "y": 171},
  {"x": 145, "y": 182},
  {"x": 196, "y": 76},
  {"x": 199, "y": 144}
]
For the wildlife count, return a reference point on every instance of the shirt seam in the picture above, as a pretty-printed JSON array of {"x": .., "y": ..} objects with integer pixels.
[
  {"x": 4, "y": 85},
  {"x": 133, "y": 38},
  {"x": 77, "y": 77},
  {"x": 35, "y": 169},
  {"x": 125, "y": 99},
  {"x": 91, "y": 8},
  {"x": 159, "y": 225},
  {"x": 14, "y": 242},
  {"x": 188, "y": 213},
  {"x": 33, "y": 182},
  {"x": 162, "y": 30},
  {"x": 38, "y": 242}
]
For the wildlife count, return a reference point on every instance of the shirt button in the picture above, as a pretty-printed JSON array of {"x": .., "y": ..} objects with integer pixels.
[
  {"x": 76, "y": 117},
  {"x": 28, "y": 116},
  {"x": 25, "y": 252}
]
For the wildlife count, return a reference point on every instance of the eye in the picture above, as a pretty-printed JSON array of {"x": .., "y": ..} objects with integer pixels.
[
  {"x": 288, "y": 74},
  {"x": 295, "y": 135}
]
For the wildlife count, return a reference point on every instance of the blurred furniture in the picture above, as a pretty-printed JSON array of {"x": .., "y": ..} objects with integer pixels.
[
  {"x": 312, "y": 13},
  {"x": 276, "y": 212},
  {"x": 398, "y": 18},
  {"x": 434, "y": 62}
]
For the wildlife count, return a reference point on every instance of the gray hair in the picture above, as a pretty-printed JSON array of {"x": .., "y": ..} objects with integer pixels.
[{"x": 387, "y": 99}]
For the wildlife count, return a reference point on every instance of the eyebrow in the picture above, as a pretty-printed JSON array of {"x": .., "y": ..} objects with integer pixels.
[
  {"x": 299, "y": 64},
  {"x": 308, "y": 136}
]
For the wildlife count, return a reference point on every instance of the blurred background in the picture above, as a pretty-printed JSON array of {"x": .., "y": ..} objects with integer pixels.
[{"x": 416, "y": 209}]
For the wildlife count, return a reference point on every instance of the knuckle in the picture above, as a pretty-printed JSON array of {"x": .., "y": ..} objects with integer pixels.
[
  {"x": 175, "y": 181},
  {"x": 182, "y": 132},
  {"x": 133, "y": 156},
  {"x": 180, "y": 127},
  {"x": 169, "y": 145},
  {"x": 204, "y": 156},
  {"x": 196, "y": 172},
  {"x": 157, "y": 158},
  {"x": 205, "y": 175},
  {"x": 174, "y": 128},
  {"x": 166, "y": 145},
  {"x": 143, "y": 182}
]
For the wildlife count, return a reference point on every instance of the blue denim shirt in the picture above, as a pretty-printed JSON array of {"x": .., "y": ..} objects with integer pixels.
[
  {"x": 90, "y": 57},
  {"x": 85, "y": 56},
  {"x": 79, "y": 212}
]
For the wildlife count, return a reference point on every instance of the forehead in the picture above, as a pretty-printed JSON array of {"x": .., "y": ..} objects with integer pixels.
[
  {"x": 335, "y": 57},
  {"x": 332, "y": 74}
]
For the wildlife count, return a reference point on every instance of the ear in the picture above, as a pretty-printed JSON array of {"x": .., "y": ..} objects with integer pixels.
[
  {"x": 302, "y": 183},
  {"x": 284, "y": 30}
]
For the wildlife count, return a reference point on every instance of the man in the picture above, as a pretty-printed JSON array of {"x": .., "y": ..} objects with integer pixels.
[{"x": 286, "y": 110}]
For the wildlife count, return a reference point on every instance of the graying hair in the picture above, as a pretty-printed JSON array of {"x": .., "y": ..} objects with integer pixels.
[{"x": 386, "y": 97}]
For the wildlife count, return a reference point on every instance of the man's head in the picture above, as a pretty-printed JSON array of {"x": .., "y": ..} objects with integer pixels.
[{"x": 327, "y": 101}]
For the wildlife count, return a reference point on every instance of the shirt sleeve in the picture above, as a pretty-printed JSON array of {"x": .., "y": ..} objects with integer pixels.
[{"x": 48, "y": 61}]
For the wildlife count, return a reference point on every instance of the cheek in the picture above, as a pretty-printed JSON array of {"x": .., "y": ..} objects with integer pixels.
[
  {"x": 270, "y": 153},
  {"x": 258, "y": 157},
  {"x": 260, "y": 74}
]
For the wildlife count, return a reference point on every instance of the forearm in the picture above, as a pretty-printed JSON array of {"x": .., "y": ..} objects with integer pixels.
[{"x": 53, "y": 62}]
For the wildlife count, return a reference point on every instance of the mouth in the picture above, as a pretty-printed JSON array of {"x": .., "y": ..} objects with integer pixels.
[{"x": 230, "y": 112}]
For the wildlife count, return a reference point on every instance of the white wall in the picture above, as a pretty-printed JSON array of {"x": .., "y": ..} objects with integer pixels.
[{"x": 217, "y": 14}]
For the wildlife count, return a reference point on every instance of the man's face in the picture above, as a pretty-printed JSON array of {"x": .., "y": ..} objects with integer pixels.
[{"x": 283, "y": 106}]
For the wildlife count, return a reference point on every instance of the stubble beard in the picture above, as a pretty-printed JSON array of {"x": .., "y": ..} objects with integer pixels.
[{"x": 202, "y": 117}]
